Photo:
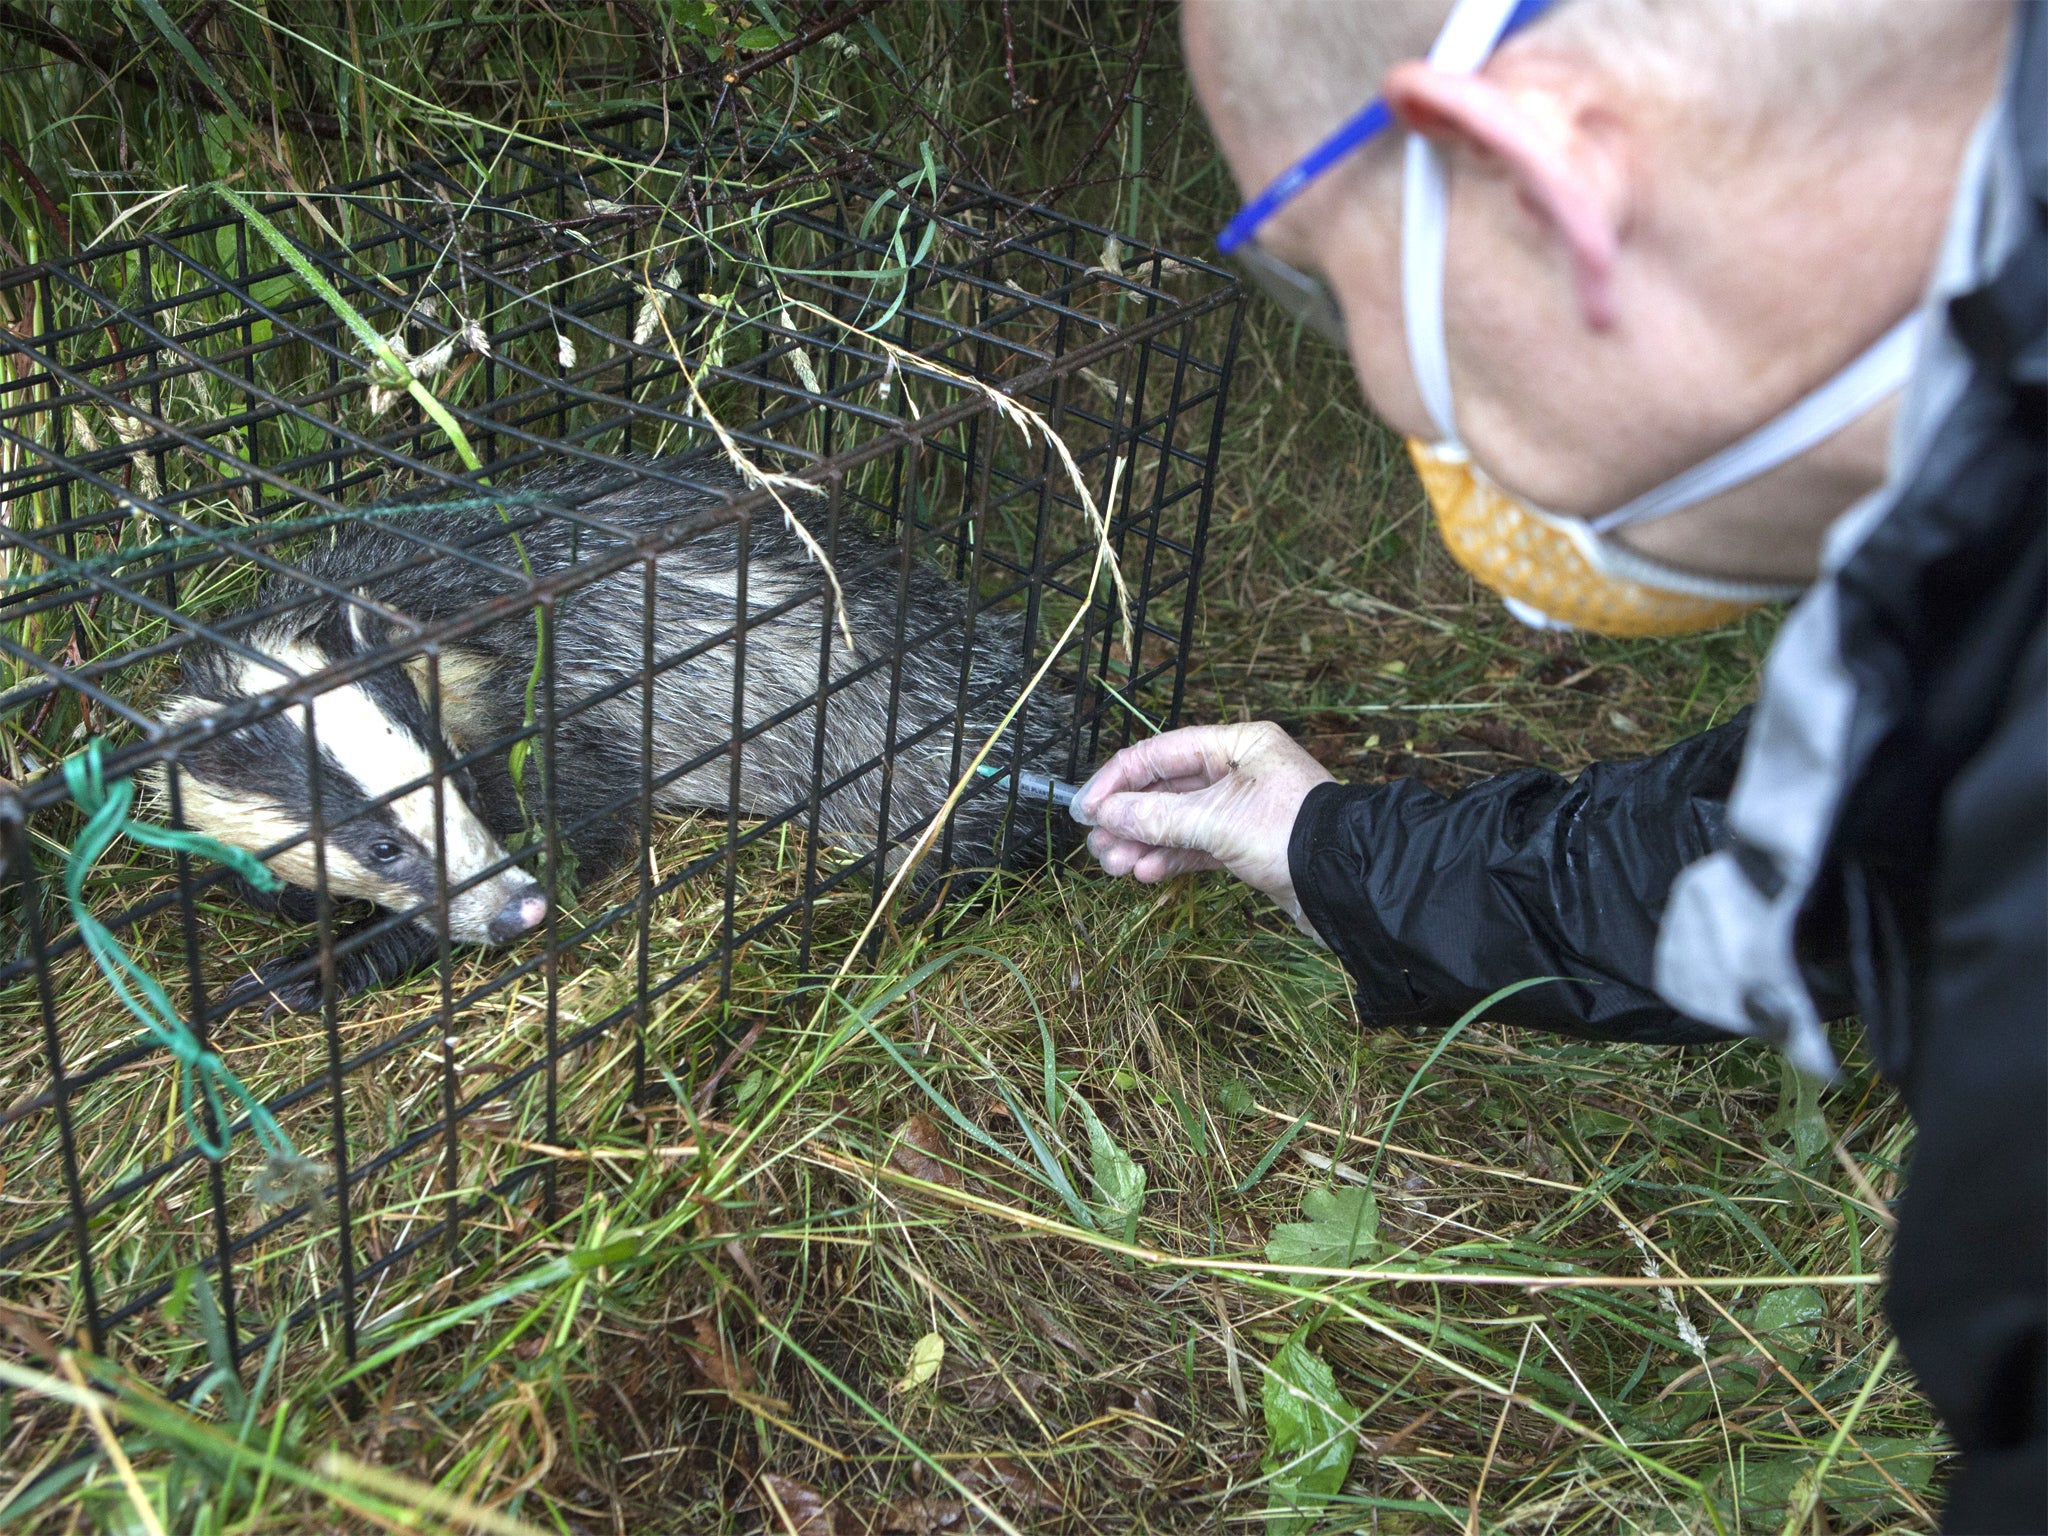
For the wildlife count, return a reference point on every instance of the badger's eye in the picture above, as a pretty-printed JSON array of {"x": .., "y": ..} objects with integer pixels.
[{"x": 385, "y": 851}]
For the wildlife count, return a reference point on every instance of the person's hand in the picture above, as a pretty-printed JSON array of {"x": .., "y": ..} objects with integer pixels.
[{"x": 1207, "y": 797}]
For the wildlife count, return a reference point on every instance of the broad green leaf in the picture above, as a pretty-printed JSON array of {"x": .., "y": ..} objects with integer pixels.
[
  {"x": 756, "y": 38},
  {"x": 1858, "y": 1491},
  {"x": 700, "y": 16},
  {"x": 1309, "y": 1429},
  {"x": 1796, "y": 1308},
  {"x": 1854, "y": 1490},
  {"x": 214, "y": 1329},
  {"x": 1590, "y": 1122},
  {"x": 1342, "y": 1229},
  {"x": 1788, "y": 1322},
  {"x": 1119, "y": 1179},
  {"x": 1234, "y": 1098},
  {"x": 926, "y": 1356}
]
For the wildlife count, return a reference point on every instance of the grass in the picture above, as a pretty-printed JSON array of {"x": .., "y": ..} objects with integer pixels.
[{"x": 1597, "y": 1288}]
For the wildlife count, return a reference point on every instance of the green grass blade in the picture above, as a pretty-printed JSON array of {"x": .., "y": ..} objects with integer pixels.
[{"x": 289, "y": 252}]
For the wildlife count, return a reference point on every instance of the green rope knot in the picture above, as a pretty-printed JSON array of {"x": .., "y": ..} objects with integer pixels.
[{"x": 286, "y": 1175}]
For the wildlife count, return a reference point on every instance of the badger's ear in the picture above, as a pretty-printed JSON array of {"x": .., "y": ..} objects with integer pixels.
[
  {"x": 366, "y": 629},
  {"x": 301, "y": 614}
]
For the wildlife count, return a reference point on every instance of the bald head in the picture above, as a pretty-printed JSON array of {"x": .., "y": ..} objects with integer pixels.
[
  {"x": 1669, "y": 220},
  {"x": 1291, "y": 70}
]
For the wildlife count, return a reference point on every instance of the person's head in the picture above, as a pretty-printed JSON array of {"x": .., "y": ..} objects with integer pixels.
[{"x": 1669, "y": 220}]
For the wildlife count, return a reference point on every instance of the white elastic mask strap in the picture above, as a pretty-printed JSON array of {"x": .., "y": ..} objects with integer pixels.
[
  {"x": 1424, "y": 213},
  {"x": 1879, "y": 372},
  {"x": 1466, "y": 41}
]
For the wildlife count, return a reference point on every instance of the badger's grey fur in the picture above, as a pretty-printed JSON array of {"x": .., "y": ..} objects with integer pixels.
[{"x": 251, "y": 787}]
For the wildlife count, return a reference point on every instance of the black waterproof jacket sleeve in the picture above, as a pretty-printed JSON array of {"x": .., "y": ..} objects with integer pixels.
[{"x": 1433, "y": 902}]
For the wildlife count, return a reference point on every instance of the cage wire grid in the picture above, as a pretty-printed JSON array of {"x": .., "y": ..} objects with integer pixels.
[{"x": 176, "y": 407}]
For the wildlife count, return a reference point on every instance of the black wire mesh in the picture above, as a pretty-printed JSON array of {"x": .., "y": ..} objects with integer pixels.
[{"x": 184, "y": 415}]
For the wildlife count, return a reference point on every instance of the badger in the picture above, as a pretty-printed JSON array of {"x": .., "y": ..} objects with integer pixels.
[{"x": 373, "y": 761}]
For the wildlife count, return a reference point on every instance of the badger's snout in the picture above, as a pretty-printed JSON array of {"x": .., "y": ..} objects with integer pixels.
[{"x": 522, "y": 914}]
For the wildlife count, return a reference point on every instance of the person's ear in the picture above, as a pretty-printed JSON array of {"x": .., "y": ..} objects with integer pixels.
[{"x": 1567, "y": 176}]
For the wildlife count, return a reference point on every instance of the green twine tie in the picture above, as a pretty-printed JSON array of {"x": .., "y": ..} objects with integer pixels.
[{"x": 286, "y": 1175}]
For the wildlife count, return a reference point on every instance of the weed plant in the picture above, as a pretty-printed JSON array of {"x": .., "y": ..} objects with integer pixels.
[{"x": 1078, "y": 1207}]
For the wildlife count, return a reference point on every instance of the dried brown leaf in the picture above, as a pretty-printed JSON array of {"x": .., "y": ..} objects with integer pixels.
[
  {"x": 798, "y": 1508},
  {"x": 924, "y": 1517},
  {"x": 1016, "y": 1484},
  {"x": 1057, "y": 1332},
  {"x": 920, "y": 1152},
  {"x": 715, "y": 1360},
  {"x": 1143, "y": 1426}
]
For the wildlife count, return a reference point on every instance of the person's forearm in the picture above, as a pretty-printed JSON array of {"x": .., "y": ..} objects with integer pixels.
[{"x": 1435, "y": 902}]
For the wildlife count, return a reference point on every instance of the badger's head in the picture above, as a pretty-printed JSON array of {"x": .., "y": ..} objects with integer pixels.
[{"x": 253, "y": 788}]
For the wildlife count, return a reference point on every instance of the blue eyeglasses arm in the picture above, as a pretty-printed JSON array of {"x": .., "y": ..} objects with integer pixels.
[
  {"x": 1350, "y": 134},
  {"x": 1369, "y": 121}
]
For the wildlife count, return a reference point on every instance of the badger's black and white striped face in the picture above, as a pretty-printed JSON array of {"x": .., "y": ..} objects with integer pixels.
[{"x": 252, "y": 788}]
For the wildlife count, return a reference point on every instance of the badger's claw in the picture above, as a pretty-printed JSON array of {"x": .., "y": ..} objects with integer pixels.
[
  {"x": 291, "y": 983},
  {"x": 283, "y": 982}
]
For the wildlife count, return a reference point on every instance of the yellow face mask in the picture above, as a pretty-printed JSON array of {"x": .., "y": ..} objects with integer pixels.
[
  {"x": 1554, "y": 572},
  {"x": 1561, "y": 572}
]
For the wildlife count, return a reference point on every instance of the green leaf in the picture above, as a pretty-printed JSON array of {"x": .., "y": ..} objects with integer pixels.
[
  {"x": 1799, "y": 1113},
  {"x": 174, "y": 1305},
  {"x": 1854, "y": 1490},
  {"x": 1343, "y": 1228},
  {"x": 1858, "y": 1492},
  {"x": 218, "y": 155},
  {"x": 755, "y": 39},
  {"x": 214, "y": 1329},
  {"x": 1119, "y": 1179},
  {"x": 1309, "y": 1427},
  {"x": 926, "y": 1356},
  {"x": 1234, "y": 1098},
  {"x": 617, "y": 1251},
  {"x": 1191, "y": 1124},
  {"x": 1788, "y": 1322},
  {"x": 700, "y": 16},
  {"x": 1794, "y": 1307},
  {"x": 1590, "y": 1122},
  {"x": 1273, "y": 1152}
]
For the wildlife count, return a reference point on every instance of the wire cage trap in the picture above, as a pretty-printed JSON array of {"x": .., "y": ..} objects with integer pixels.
[{"x": 481, "y": 414}]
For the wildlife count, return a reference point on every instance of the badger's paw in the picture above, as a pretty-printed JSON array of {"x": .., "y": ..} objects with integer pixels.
[
  {"x": 363, "y": 960},
  {"x": 289, "y": 984}
]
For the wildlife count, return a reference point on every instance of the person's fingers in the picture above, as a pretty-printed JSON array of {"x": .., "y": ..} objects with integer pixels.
[
  {"x": 1196, "y": 752},
  {"x": 1186, "y": 784},
  {"x": 1164, "y": 863},
  {"x": 1118, "y": 856},
  {"x": 1163, "y": 820}
]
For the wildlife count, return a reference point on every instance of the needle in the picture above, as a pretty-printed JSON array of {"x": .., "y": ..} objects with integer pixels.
[{"x": 1038, "y": 788}]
